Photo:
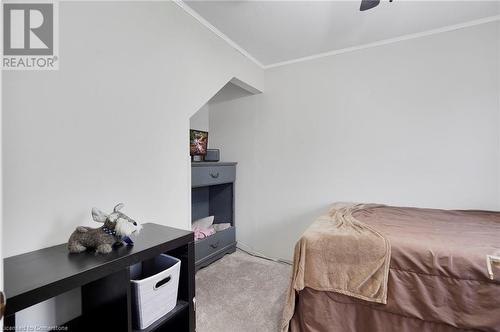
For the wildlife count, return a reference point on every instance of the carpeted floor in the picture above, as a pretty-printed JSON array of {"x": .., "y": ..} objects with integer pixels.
[{"x": 241, "y": 292}]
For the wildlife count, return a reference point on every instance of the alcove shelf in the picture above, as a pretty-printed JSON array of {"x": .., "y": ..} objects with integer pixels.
[{"x": 212, "y": 194}]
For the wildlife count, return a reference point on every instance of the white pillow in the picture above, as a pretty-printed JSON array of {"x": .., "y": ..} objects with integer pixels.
[
  {"x": 221, "y": 227},
  {"x": 203, "y": 223}
]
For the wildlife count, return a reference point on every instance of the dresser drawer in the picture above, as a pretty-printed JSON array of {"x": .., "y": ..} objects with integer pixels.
[
  {"x": 213, "y": 243},
  {"x": 211, "y": 175}
]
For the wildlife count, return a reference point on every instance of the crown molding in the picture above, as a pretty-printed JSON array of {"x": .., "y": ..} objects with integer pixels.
[
  {"x": 240, "y": 49},
  {"x": 221, "y": 35},
  {"x": 388, "y": 41}
]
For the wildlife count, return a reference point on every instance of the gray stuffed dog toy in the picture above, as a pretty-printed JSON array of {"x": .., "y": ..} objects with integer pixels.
[{"x": 116, "y": 229}]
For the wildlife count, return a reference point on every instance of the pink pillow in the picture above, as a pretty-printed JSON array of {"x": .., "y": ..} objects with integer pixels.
[{"x": 201, "y": 233}]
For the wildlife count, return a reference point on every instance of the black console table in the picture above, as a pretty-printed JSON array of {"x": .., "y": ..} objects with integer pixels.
[{"x": 104, "y": 279}]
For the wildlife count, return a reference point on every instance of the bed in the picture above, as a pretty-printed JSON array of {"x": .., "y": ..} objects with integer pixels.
[{"x": 436, "y": 278}]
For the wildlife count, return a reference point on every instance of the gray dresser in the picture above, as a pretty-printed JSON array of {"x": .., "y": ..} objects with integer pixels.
[{"x": 212, "y": 194}]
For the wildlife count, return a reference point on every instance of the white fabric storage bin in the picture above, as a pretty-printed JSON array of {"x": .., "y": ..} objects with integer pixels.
[{"x": 154, "y": 289}]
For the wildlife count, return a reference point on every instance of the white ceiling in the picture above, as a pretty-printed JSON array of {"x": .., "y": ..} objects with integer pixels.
[{"x": 278, "y": 31}]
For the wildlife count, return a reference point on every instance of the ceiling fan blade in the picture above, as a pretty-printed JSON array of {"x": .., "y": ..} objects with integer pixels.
[{"x": 368, "y": 4}]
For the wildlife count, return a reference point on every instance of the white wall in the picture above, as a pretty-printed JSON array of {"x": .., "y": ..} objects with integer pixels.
[
  {"x": 112, "y": 124},
  {"x": 498, "y": 85},
  {"x": 415, "y": 123},
  {"x": 1, "y": 191},
  {"x": 200, "y": 120}
]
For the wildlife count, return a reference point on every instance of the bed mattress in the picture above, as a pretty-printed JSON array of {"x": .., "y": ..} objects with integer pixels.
[{"x": 438, "y": 279}]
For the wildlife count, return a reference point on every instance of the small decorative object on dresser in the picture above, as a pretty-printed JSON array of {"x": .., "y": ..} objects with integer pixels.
[
  {"x": 198, "y": 143},
  {"x": 212, "y": 155},
  {"x": 117, "y": 229}
]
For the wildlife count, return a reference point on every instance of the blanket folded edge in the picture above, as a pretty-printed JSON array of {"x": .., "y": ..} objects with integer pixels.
[{"x": 297, "y": 282}]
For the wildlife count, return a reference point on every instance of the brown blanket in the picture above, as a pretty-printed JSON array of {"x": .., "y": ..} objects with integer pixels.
[
  {"x": 341, "y": 254},
  {"x": 438, "y": 280}
]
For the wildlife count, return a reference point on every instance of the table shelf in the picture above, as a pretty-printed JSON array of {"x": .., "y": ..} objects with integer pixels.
[
  {"x": 104, "y": 280},
  {"x": 160, "y": 323}
]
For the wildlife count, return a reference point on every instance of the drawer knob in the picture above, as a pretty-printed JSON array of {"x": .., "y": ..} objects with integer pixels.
[
  {"x": 214, "y": 175},
  {"x": 214, "y": 245}
]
